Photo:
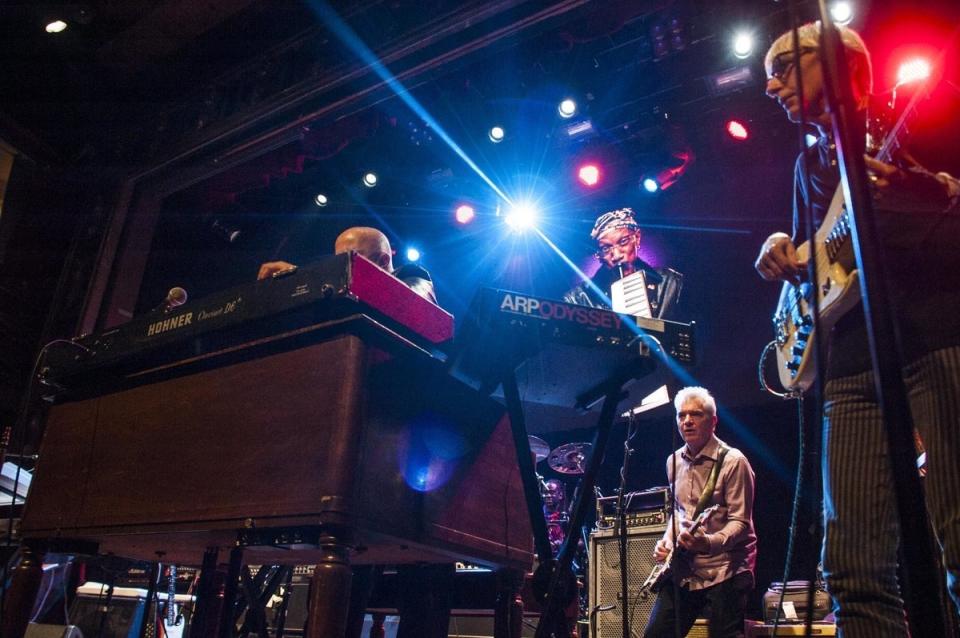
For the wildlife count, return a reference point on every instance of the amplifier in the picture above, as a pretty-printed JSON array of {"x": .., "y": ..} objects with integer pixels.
[
  {"x": 795, "y": 602},
  {"x": 604, "y": 576},
  {"x": 643, "y": 509}
]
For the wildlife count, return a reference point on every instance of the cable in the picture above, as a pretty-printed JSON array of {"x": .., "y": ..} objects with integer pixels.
[
  {"x": 20, "y": 429},
  {"x": 764, "y": 385},
  {"x": 797, "y": 491}
]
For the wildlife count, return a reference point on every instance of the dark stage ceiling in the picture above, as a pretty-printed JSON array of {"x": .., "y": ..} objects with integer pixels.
[{"x": 241, "y": 111}]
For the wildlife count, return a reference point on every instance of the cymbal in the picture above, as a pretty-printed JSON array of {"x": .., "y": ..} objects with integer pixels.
[
  {"x": 569, "y": 458},
  {"x": 539, "y": 447}
]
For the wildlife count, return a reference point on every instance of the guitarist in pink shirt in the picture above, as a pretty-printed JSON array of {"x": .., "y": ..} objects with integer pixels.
[
  {"x": 716, "y": 547},
  {"x": 918, "y": 220}
]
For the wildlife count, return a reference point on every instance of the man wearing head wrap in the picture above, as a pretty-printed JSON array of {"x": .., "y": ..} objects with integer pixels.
[
  {"x": 618, "y": 243},
  {"x": 917, "y": 215}
]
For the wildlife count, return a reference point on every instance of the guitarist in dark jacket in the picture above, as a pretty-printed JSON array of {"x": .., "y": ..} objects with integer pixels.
[
  {"x": 918, "y": 219},
  {"x": 715, "y": 555}
]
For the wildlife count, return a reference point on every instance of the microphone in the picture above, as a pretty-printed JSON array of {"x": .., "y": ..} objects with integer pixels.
[{"x": 177, "y": 296}]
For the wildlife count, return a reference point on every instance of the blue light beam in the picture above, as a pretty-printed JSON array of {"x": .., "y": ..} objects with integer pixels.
[{"x": 343, "y": 31}]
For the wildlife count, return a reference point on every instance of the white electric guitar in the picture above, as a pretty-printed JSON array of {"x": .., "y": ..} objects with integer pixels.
[{"x": 837, "y": 288}]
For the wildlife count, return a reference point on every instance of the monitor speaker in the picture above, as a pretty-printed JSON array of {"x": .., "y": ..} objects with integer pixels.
[{"x": 605, "y": 585}]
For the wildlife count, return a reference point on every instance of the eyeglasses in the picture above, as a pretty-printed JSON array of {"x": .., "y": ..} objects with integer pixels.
[
  {"x": 782, "y": 64},
  {"x": 623, "y": 242}
]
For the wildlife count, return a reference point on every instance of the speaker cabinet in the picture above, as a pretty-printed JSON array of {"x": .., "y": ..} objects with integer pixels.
[{"x": 605, "y": 586}]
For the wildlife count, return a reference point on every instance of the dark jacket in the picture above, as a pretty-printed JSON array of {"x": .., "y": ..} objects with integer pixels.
[{"x": 663, "y": 289}]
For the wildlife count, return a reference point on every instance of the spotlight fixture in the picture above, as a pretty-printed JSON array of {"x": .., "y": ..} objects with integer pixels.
[
  {"x": 496, "y": 134},
  {"x": 810, "y": 139},
  {"x": 55, "y": 26},
  {"x": 370, "y": 179},
  {"x": 567, "y": 108},
  {"x": 320, "y": 199},
  {"x": 465, "y": 214},
  {"x": 737, "y": 130},
  {"x": 841, "y": 12},
  {"x": 413, "y": 254},
  {"x": 743, "y": 44},
  {"x": 650, "y": 185},
  {"x": 589, "y": 174},
  {"x": 521, "y": 217},
  {"x": 913, "y": 70}
]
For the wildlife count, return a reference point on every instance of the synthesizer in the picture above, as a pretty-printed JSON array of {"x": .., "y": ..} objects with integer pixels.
[
  {"x": 335, "y": 287},
  {"x": 559, "y": 348}
]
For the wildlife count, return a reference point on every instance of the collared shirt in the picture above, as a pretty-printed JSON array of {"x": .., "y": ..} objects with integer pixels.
[{"x": 733, "y": 542}]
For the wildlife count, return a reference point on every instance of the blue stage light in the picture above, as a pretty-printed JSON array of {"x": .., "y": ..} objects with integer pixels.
[{"x": 522, "y": 216}]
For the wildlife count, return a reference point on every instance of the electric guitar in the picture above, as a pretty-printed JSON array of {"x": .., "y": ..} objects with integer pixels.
[
  {"x": 661, "y": 573},
  {"x": 837, "y": 289}
]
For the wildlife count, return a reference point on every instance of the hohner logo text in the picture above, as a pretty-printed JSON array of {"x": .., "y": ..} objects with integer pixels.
[
  {"x": 172, "y": 323},
  {"x": 555, "y": 311}
]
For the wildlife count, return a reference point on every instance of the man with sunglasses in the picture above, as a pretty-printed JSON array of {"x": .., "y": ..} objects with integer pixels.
[
  {"x": 618, "y": 243},
  {"x": 917, "y": 215}
]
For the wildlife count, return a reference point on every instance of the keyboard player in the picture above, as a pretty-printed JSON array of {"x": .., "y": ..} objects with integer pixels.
[
  {"x": 374, "y": 245},
  {"x": 634, "y": 286},
  {"x": 423, "y": 600}
]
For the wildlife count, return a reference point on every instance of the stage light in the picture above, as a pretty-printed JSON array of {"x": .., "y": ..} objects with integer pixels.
[
  {"x": 737, "y": 130},
  {"x": 650, "y": 185},
  {"x": 370, "y": 179},
  {"x": 567, "y": 108},
  {"x": 413, "y": 254},
  {"x": 743, "y": 44},
  {"x": 913, "y": 70},
  {"x": 589, "y": 174},
  {"x": 56, "y": 26},
  {"x": 810, "y": 139},
  {"x": 465, "y": 214},
  {"x": 521, "y": 216},
  {"x": 320, "y": 199},
  {"x": 496, "y": 134},
  {"x": 841, "y": 12}
]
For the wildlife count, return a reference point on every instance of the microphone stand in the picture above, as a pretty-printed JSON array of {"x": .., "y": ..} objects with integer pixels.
[
  {"x": 924, "y": 613},
  {"x": 622, "y": 525}
]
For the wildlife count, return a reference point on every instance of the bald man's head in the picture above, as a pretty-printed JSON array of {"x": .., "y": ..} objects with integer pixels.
[{"x": 369, "y": 242}]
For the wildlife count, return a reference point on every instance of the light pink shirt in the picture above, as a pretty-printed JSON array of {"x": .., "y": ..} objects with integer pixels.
[{"x": 733, "y": 542}]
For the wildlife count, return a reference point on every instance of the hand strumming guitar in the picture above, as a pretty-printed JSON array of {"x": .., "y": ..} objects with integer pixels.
[
  {"x": 778, "y": 259},
  {"x": 696, "y": 542}
]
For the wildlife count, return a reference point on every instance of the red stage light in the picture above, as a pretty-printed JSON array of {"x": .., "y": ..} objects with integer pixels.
[
  {"x": 737, "y": 130},
  {"x": 913, "y": 70},
  {"x": 465, "y": 214},
  {"x": 589, "y": 174}
]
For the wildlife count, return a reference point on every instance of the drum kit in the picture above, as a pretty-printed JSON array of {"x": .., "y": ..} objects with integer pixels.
[{"x": 570, "y": 459}]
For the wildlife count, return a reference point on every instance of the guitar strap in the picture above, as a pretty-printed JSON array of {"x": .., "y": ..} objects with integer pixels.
[{"x": 711, "y": 483}]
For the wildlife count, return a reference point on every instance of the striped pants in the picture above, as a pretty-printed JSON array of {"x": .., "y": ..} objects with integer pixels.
[{"x": 861, "y": 529}]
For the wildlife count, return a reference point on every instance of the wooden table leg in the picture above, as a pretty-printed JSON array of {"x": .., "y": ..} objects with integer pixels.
[
  {"x": 330, "y": 591},
  {"x": 22, "y": 593},
  {"x": 508, "y": 614}
]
